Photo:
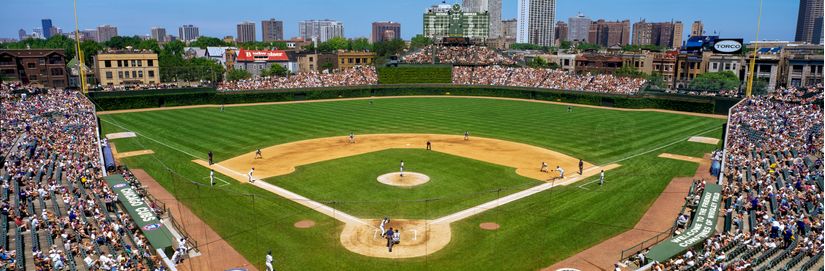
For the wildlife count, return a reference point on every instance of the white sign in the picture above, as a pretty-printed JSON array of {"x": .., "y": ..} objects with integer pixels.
[{"x": 727, "y": 46}]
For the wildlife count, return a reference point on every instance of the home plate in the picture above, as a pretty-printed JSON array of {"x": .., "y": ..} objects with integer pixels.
[{"x": 706, "y": 140}]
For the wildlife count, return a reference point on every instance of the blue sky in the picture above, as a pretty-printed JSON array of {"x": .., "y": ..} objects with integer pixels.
[{"x": 729, "y": 18}]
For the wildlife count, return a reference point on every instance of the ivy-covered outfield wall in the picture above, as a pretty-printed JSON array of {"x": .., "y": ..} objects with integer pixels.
[{"x": 165, "y": 98}]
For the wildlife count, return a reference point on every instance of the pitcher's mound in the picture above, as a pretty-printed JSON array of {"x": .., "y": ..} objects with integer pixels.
[
  {"x": 303, "y": 224},
  {"x": 409, "y": 179},
  {"x": 490, "y": 226}
]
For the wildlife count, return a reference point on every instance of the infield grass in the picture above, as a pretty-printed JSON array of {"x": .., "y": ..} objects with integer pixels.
[{"x": 535, "y": 231}]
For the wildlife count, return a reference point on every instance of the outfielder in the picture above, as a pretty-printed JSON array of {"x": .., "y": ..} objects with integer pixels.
[
  {"x": 269, "y": 261},
  {"x": 251, "y": 180},
  {"x": 601, "y": 178}
]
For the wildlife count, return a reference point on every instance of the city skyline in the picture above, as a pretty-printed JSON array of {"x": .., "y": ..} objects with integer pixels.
[{"x": 778, "y": 21}]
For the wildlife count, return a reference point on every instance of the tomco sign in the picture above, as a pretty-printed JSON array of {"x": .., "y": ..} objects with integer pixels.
[{"x": 727, "y": 46}]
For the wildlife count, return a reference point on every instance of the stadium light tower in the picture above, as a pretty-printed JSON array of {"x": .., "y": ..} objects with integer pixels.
[{"x": 79, "y": 53}]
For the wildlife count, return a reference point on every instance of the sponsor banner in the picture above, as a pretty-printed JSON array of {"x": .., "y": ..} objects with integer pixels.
[
  {"x": 728, "y": 46},
  {"x": 703, "y": 226},
  {"x": 157, "y": 233},
  {"x": 262, "y": 55}
]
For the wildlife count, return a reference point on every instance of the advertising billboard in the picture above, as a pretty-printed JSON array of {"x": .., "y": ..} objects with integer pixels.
[{"x": 728, "y": 46}]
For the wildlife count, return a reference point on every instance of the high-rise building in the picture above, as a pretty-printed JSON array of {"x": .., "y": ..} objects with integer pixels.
[
  {"x": 320, "y": 30},
  {"x": 578, "y": 28},
  {"x": 47, "y": 28},
  {"x": 384, "y": 31},
  {"x": 492, "y": 7},
  {"x": 561, "y": 31},
  {"x": 665, "y": 34},
  {"x": 443, "y": 20},
  {"x": 188, "y": 33},
  {"x": 508, "y": 29},
  {"x": 21, "y": 34},
  {"x": 246, "y": 32},
  {"x": 809, "y": 21},
  {"x": 608, "y": 34},
  {"x": 536, "y": 19},
  {"x": 159, "y": 34},
  {"x": 106, "y": 32},
  {"x": 272, "y": 30},
  {"x": 697, "y": 29}
]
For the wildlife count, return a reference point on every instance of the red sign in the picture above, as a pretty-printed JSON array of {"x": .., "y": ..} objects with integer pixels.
[{"x": 262, "y": 55}]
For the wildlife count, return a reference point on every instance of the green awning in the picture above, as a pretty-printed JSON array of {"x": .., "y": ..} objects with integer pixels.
[
  {"x": 155, "y": 231},
  {"x": 704, "y": 225}
]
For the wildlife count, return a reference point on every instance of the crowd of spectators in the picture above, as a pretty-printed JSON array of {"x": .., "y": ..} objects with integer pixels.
[
  {"x": 545, "y": 78},
  {"x": 356, "y": 76},
  {"x": 457, "y": 55},
  {"x": 772, "y": 189},
  {"x": 52, "y": 189}
]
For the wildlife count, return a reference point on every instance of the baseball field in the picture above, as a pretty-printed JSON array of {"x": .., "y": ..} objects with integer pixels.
[{"x": 310, "y": 171}]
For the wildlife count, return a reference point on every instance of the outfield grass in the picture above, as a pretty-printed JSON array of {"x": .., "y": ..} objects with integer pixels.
[
  {"x": 349, "y": 184},
  {"x": 536, "y": 231}
]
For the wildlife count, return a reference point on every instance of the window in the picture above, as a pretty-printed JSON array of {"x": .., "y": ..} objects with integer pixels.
[
  {"x": 349, "y": 60},
  {"x": 120, "y": 74},
  {"x": 715, "y": 66},
  {"x": 150, "y": 62},
  {"x": 126, "y": 74},
  {"x": 108, "y": 75},
  {"x": 140, "y": 63},
  {"x": 357, "y": 61},
  {"x": 58, "y": 83},
  {"x": 727, "y": 66},
  {"x": 151, "y": 73},
  {"x": 33, "y": 78},
  {"x": 30, "y": 65},
  {"x": 107, "y": 63},
  {"x": 134, "y": 74},
  {"x": 57, "y": 71},
  {"x": 140, "y": 74},
  {"x": 310, "y": 59}
]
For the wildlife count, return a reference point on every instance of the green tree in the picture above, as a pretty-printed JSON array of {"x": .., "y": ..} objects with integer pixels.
[
  {"x": 150, "y": 44},
  {"x": 173, "y": 48},
  {"x": 120, "y": 42},
  {"x": 90, "y": 49},
  {"x": 565, "y": 44},
  {"x": 588, "y": 46},
  {"x": 715, "y": 81},
  {"x": 337, "y": 43},
  {"x": 760, "y": 87},
  {"x": 388, "y": 48},
  {"x": 275, "y": 70},
  {"x": 628, "y": 71},
  {"x": 204, "y": 41},
  {"x": 537, "y": 62},
  {"x": 360, "y": 44},
  {"x": 237, "y": 74},
  {"x": 420, "y": 41},
  {"x": 657, "y": 80}
]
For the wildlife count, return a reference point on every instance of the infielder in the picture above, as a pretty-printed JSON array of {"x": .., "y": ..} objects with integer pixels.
[
  {"x": 212, "y": 177},
  {"x": 560, "y": 171},
  {"x": 251, "y": 180},
  {"x": 269, "y": 261},
  {"x": 543, "y": 167},
  {"x": 466, "y": 135},
  {"x": 402, "y": 168},
  {"x": 429, "y": 145},
  {"x": 581, "y": 166},
  {"x": 351, "y": 137},
  {"x": 210, "y": 157},
  {"x": 258, "y": 154},
  {"x": 601, "y": 178}
]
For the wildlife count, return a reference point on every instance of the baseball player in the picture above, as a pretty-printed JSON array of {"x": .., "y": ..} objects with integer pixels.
[
  {"x": 384, "y": 222},
  {"x": 601, "y": 178},
  {"x": 212, "y": 177},
  {"x": 396, "y": 237},
  {"x": 258, "y": 154},
  {"x": 466, "y": 135},
  {"x": 351, "y": 137},
  {"x": 429, "y": 145},
  {"x": 269, "y": 261},
  {"x": 560, "y": 171},
  {"x": 221, "y": 107},
  {"x": 402, "y": 168},
  {"x": 210, "y": 157},
  {"x": 251, "y": 180},
  {"x": 543, "y": 167}
]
